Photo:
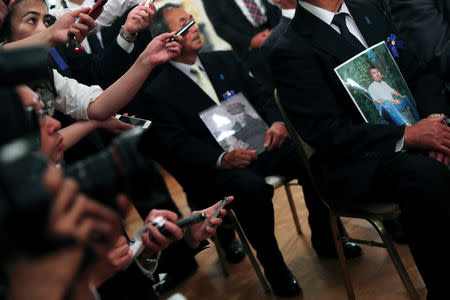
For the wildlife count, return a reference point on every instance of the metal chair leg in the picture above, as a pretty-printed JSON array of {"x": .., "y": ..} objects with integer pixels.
[
  {"x": 249, "y": 252},
  {"x": 221, "y": 255},
  {"x": 387, "y": 240},
  {"x": 293, "y": 209},
  {"x": 341, "y": 256}
]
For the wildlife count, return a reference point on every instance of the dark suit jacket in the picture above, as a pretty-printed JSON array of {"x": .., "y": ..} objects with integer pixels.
[
  {"x": 231, "y": 25},
  {"x": 424, "y": 24},
  {"x": 273, "y": 37},
  {"x": 179, "y": 139},
  {"x": 348, "y": 149}
]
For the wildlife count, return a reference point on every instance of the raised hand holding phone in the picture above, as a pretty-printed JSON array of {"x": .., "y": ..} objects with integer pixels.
[
  {"x": 139, "y": 18},
  {"x": 94, "y": 12},
  {"x": 217, "y": 212},
  {"x": 184, "y": 30},
  {"x": 196, "y": 233}
]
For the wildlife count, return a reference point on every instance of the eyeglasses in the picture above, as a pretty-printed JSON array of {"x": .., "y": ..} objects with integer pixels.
[
  {"x": 47, "y": 109},
  {"x": 38, "y": 118}
]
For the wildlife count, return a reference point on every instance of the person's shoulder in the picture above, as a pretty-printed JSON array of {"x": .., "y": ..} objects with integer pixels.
[
  {"x": 222, "y": 54},
  {"x": 371, "y": 5},
  {"x": 372, "y": 85},
  {"x": 157, "y": 80},
  {"x": 290, "y": 43}
]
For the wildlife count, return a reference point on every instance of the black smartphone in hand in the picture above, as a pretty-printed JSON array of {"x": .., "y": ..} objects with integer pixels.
[{"x": 183, "y": 29}]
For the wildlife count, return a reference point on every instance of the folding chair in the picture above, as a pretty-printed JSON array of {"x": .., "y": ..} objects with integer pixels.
[
  {"x": 279, "y": 181},
  {"x": 374, "y": 213}
]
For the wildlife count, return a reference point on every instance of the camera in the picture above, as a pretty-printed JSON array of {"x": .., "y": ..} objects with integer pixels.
[
  {"x": 121, "y": 168},
  {"x": 23, "y": 65},
  {"x": 25, "y": 204}
]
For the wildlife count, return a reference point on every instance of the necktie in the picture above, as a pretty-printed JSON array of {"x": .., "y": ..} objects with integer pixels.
[
  {"x": 94, "y": 43},
  {"x": 255, "y": 12},
  {"x": 204, "y": 83},
  {"x": 339, "y": 21}
]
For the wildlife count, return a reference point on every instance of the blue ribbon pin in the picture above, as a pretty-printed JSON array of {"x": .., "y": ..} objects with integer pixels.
[
  {"x": 393, "y": 44},
  {"x": 228, "y": 94}
]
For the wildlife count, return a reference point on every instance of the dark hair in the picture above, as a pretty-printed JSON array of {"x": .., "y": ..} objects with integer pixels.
[
  {"x": 371, "y": 67},
  {"x": 5, "y": 30},
  {"x": 160, "y": 24}
]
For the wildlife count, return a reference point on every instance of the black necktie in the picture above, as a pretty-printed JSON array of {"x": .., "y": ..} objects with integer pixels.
[
  {"x": 94, "y": 43},
  {"x": 339, "y": 21}
]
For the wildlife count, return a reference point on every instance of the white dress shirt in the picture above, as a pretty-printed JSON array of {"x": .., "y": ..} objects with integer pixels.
[
  {"x": 246, "y": 13},
  {"x": 288, "y": 13},
  {"x": 186, "y": 69},
  {"x": 327, "y": 17},
  {"x": 73, "y": 98}
]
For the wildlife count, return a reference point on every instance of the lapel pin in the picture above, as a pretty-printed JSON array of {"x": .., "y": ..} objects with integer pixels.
[
  {"x": 393, "y": 44},
  {"x": 228, "y": 94},
  {"x": 221, "y": 76},
  {"x": 368, "y": 20}
]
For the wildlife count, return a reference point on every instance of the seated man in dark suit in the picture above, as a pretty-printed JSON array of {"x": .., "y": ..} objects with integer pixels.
[
  {"x": 245, "y": 24},
  {"x": 357, "y": 161},
  {"x": 181, "y": 142}
]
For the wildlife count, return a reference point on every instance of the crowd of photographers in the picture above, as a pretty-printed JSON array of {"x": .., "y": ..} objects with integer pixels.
[
  {"x": 70, "y": 172},
  {"x": 61, "y": 220}
]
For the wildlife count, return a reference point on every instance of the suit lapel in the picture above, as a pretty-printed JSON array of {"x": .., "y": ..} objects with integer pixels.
[
  {"x": 369, "y": 23},
  {"x": 214, "y": 75},
  {"x": 321, "y": 34},
  {"x": 186, "y": 84}
]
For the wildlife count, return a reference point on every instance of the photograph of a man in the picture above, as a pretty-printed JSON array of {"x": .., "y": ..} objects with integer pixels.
[
  {"x": 382, "y": 96},
  {"x": 249, "y": 131}
]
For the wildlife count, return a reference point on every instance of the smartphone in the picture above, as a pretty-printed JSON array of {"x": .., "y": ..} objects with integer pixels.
[
  {"x": 135, "y": 121},
  {"x": 184, "y": 222},
  {"x": 184, "y": 29},
  {"x": 96, "y": 10},
  {"x": 138, "y": 246},
  {"x": 217, "y": 212}
]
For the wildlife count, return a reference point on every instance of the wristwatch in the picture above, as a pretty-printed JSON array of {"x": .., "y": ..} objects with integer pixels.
[{"x": 127, "y": 36}]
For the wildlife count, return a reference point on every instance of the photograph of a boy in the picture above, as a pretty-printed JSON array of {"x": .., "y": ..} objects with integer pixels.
[{"x": 382, "y": 96}]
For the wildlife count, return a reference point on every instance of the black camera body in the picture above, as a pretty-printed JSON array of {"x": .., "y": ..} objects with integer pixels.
[
  {"x": 121, "y": 168},
  {"x": 25, "y": 203}
]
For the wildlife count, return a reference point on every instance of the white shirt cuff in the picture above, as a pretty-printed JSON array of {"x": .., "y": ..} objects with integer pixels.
[
  {"x": 127, "y": 46},
  {"x": 219, "y": 160},
  {"x": 399, "y": 144}
]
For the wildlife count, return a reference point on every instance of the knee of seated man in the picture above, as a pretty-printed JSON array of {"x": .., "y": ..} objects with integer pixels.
[
  {"x": 432, "y": 176},
  {"x": 252, "y": 187}
]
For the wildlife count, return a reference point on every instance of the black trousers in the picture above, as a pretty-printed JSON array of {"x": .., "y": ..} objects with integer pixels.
[
  {"x": 253, "y": 199},
  {"x": 421, "y": 186}
]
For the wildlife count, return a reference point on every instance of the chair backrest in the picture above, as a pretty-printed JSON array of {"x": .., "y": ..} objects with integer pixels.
[{"x": 304, "y": 150}]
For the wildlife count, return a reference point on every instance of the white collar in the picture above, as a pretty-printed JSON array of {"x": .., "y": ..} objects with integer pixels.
[
  {"x": 323, "y": 14},
  {"x": 186, "y": 68},
  {"x": 288, "y": 13}
]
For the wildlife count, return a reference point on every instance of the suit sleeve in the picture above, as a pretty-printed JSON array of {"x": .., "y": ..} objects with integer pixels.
[
  {"x": 225, "y": 30},
  {"x": 260, "y": 97},
  {"x": 422, "y": 24},
  {"x": 320, "y": 117},
  {"x": 172, "y": 140}
]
